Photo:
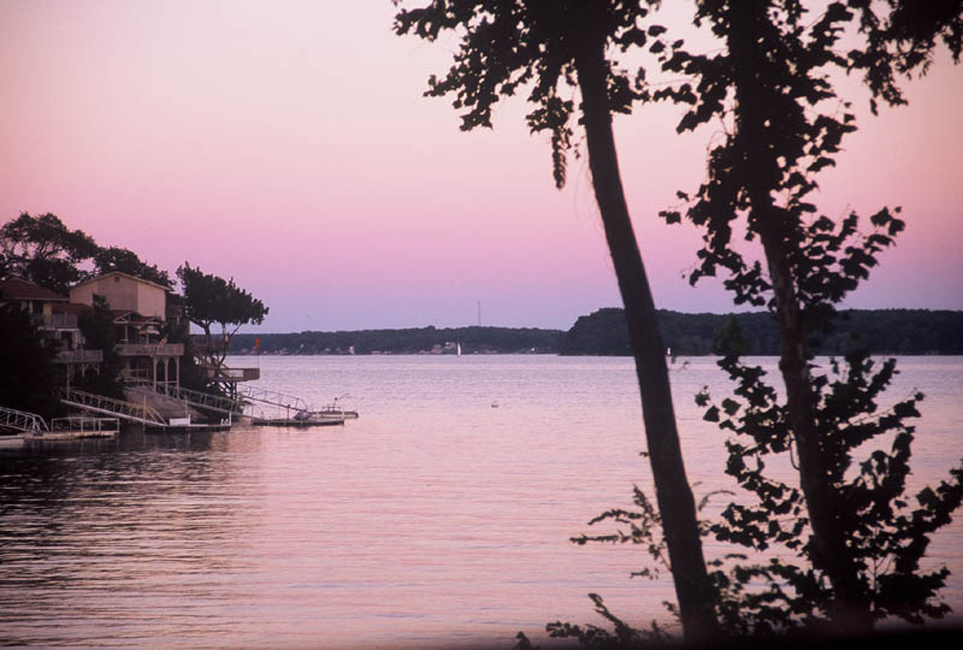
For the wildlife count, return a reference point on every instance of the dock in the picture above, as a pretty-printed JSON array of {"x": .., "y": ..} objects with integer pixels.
[
  {"x": 77, "y": 427},
  {"x": 168, "y": 409}
]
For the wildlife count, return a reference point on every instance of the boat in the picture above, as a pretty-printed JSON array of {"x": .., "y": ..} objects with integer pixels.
[
  {"x": 335, "y": 410},
  {"x": 302, "y": 418},
  {"x": 332, "y": 411},
  {"x": 75, "y": 427}
]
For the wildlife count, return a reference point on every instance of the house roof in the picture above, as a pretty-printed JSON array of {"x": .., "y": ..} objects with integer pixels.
[
  {"x": 123, "y": 275},
  {"x": 14, "y": 288}
]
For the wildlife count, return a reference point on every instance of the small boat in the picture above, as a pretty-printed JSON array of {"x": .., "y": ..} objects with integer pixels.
[
  {"x": 335, "y": 410},
  {"x": 305, "y": 418}
]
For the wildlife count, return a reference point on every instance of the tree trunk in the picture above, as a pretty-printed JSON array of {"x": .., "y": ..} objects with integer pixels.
[
  {"x": 850, "y": 607},
  {"x": 831, "y": 554},
  {"x": 674, "y": 496}
]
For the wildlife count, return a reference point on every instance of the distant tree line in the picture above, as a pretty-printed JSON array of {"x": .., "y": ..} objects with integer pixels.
[
  {"x": 882, "y": 331},
  {"x": 473, "y": 340},
  {"x": 605, "y": 333}
]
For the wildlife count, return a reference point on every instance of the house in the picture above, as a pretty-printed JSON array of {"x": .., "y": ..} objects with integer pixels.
[
  {"x": 57, "y": 321},
  {"x": 139, "y": 308},
  {"x": 32, "y": 298},
  {"x": 124, "y": 292}
]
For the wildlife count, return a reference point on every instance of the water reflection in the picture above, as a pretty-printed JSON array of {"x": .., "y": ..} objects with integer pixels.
[
  {"x": 120, "y": 535},
  {"x": 433, "y": 516}
]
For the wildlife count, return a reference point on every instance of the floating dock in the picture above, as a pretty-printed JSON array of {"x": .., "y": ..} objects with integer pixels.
[{"x": 76, "y": 427}]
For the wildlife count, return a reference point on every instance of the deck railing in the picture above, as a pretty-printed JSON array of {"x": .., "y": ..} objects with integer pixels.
[
  {"x": 84, "y": 425},
  {"x": 80, "y": 356},
  {"x": 150, "y": 349},
  {"x": 192, "y": 397},
  {"x": 290, "y": 403},
  {"x": 140, "y": 413},
  {"x": 58, "y": 321}
]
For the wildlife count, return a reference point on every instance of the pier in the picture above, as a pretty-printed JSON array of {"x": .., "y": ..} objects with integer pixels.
[
  {"x": 30, "y": 426},
  {"x": 165, "y": 407}
]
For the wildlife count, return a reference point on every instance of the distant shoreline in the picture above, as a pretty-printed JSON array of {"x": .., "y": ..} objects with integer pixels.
[{"x": 902, "y": 332}]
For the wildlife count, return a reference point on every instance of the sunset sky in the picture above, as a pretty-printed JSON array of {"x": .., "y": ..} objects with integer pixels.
[{"x": 287, "y": 144}]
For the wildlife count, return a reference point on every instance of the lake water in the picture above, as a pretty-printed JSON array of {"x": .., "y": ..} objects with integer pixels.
[{"x": 440, "y": 517}]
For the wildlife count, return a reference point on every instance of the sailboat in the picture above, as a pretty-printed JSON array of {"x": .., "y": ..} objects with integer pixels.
[{"x": 458, "y": 349}]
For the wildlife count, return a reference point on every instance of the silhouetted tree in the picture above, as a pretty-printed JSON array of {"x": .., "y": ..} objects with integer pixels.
[
  {"x": 770, "y": 83},
  {"x": 29, "y": 379},
  {"x": 211, "y": 301},
  {"x": 100, "y": 333},
  {"x": 43, "y": 250},
  {"x": 552, "y": 47},
  {"x": 115, "y": 258}
]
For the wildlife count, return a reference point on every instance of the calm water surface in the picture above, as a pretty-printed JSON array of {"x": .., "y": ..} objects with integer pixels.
[{"x": 435, "y": 518}]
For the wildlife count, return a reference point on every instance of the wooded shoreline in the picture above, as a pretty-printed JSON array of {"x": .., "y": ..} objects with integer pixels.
[{"x": 604, "y": 333}]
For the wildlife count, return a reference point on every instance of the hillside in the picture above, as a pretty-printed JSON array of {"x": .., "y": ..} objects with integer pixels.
[{"x": 884, "y": 331}]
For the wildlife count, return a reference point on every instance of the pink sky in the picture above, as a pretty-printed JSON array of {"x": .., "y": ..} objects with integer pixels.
[{"x": 287, "y": 144}]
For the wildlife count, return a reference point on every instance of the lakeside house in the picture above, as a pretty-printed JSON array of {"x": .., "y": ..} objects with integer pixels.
[
  {"x": 57, "y": 320},
  {"x": 145, "y": 315},
  {"x": 141, "y": 318}
]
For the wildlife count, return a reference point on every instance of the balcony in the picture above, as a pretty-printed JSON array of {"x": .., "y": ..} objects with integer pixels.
[
  {"x": 57, "y": 322},
  {"x": 80, "y": 356},
  {"x": 150, "y": 349}
]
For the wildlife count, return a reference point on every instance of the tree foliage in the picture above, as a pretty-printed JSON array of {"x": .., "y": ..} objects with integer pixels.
[
  {"x": 518, "y": 46},
  {"x": 97, "y": 327},
  {"x": 43, "y": 250},
  {"x": 900, "y": 37},
  {"x": 115, "y": 258},
  {"x": 213, "y": 303},
  {"x": 29, "y": 379},
  {"x": 771, "y": 87},
  {"x": 886, "y": 535}
]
